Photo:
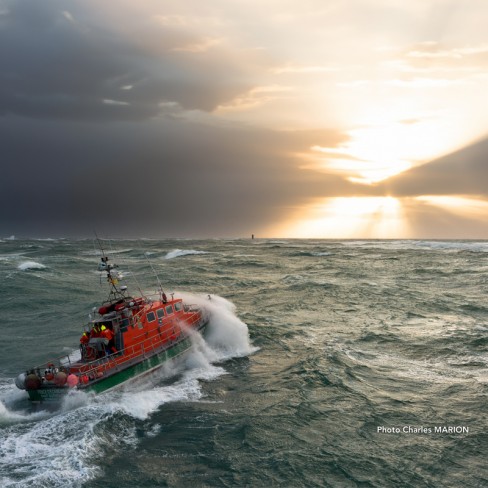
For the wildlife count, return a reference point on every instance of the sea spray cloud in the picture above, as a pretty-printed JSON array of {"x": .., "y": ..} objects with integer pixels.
[{"x": 226, "y": 333}]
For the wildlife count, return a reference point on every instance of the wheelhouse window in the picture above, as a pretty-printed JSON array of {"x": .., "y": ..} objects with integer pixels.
[
  {"x": 169, "y": 310},
  {"x": 160, "y": 313},
  {"x": 124, "y": 324},
  {"x": 178, "y": 306},
  {"x": 151, "y": 317}
]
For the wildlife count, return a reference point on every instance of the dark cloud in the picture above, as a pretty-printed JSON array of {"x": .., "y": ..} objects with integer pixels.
[
  {"x": 464, "y": 172},
  {"x": 157, "y": 178},
  {"x": 86, "y": 143},
  {"x": 104, "y": 124},
  {"x": 60, "y": 64}
]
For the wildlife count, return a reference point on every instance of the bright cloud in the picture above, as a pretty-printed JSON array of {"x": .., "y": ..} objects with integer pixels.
[{"x": 398, "y": 85}]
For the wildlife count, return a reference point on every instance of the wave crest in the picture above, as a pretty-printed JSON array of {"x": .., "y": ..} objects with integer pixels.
[
  {"x": 28, "y": 265},
  {"x": 177, "y": 253}
]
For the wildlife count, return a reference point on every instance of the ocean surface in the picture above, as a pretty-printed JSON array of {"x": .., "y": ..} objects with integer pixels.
[{"x": 326, "y": 364}]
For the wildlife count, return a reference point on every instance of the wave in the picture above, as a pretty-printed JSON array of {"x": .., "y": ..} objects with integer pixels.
[
  {"x": 28, "y": 265},
  {"x": 177, "y": 253},
  {"x": 314, "y": 254},
  {"x": 479, "y": 246},
  {"x": 406, "y": 245},
  {"x": 109, "y": 252},
  {"x": 63, "y": 448},
  {"x": 226, "y": 336}
]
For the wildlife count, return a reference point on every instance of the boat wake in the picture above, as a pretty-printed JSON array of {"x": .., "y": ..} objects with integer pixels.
[{"x": 60, "y": 448}]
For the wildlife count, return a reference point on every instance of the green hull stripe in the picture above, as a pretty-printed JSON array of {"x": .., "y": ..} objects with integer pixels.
[{"x": 54, "y": 394}]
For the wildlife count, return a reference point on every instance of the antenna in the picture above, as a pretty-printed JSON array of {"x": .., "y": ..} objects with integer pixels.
[
  {"x": 161, "y": 292},
  {"x": 132, "y": 274},
  {"x": 99, "y": 242},
  {"x": 112, "y": 276}
]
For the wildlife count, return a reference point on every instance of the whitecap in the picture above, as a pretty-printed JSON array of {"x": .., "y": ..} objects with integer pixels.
[
  {"x": 177, "y": 253},
  {"x": 28, "y": 265}
]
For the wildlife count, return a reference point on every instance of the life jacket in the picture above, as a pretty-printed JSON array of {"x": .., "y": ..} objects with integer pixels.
[
  {"x": 95, "y": 332},
  {"x": 108, "y": 334}
]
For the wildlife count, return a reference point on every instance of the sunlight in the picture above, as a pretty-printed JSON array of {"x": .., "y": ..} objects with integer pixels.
[
  {"x": 349, "y": 217},
  {"x": 360, "y": 170},
  {"x": 379, "y": 150},
  {"x": 458, "y": 205}
]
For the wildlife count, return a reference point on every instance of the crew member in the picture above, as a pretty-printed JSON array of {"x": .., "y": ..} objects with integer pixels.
[
  {"x": 95, "y": 332},
  {"x": 84, "y": 339},
  {"x": 108, "y": 334}
]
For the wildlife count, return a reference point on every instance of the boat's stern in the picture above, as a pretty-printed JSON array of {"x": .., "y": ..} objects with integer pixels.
[{"x": 47, "y": 394}]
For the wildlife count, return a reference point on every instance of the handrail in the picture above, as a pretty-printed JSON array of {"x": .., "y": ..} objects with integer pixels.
[
  {"x": 136, "y": 349},
  {"x": 167, "y": 331}
]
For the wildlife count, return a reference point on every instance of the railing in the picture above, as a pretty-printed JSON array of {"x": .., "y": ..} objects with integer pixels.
[
  {"x": 146, "y": 348},
  {"x": 160, "y": 340}
]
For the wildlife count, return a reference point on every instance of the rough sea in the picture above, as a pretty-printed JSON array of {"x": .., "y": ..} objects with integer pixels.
[{"x": 325, "y": 364}]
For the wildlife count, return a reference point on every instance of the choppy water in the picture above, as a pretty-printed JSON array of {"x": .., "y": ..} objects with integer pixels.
[{"x": 330, "y": 346}]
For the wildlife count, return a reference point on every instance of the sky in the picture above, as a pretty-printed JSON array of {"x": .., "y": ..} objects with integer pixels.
[{"x": 226, "y": 118}]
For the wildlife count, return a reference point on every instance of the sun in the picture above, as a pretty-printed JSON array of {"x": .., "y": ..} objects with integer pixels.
[{"x": 380, "y": 147}]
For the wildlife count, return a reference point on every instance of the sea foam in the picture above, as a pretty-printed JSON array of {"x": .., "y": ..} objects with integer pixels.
[
  {"x": 226, "y": 334},
  {"x": 28, "y": 265},
  {"x": 57, "y": 449},
  {"x": 177, "y": 253}
]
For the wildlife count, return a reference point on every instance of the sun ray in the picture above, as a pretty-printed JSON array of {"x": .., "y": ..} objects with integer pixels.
[
  {"x": 467, "y": 207},
  {"x": 349, "y": 217}
]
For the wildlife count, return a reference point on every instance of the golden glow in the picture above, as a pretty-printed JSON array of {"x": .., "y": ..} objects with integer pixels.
[
  {"x": 349, "y": 217},
  {"x": 380, "y": 150},
  {"x": 255, "y": 97},
  {"x": 360, "y": 170},
  {"x": 458, "y": 205},
  {"x": 384, "y": 217}
]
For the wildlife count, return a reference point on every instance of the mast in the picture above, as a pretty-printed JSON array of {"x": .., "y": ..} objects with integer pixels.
[{"x": 113, "y": 276}]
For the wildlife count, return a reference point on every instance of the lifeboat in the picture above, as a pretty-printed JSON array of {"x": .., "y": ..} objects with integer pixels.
[{"x": 128, "y": 337}]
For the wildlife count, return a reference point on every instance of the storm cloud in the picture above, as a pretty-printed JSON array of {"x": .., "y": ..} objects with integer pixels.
[
  {"x": 170, "y": 178},
  {"x": 94, "y": 133},
  {"x": 186, "y": 119},
  {"x": 66, "y": 64},
  {"x": 463, "y": 172}
]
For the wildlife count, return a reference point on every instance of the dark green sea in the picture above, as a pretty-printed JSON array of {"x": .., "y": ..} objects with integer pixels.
[{"x": 325, "y": 364}]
